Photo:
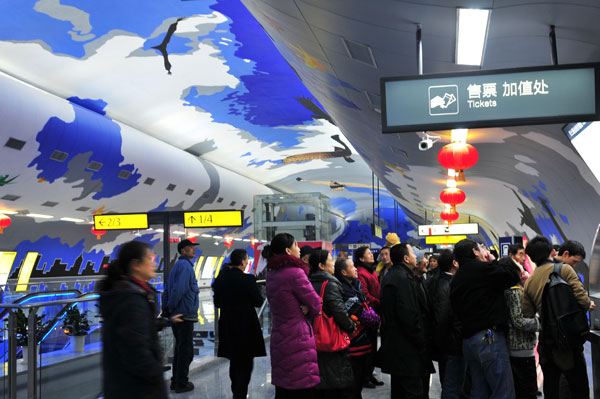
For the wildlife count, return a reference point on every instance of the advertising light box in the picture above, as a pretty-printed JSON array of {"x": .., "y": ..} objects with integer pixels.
[{"x": 509, "y": 97}]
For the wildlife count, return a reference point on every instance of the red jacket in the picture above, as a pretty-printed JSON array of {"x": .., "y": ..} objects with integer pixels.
[{"x": 370, "y": 285}]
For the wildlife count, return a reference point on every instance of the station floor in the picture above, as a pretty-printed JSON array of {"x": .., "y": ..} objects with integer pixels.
[{"x": 214, "y": 383}]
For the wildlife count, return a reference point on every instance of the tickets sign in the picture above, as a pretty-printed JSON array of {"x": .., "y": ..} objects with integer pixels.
[{"x": 507, "y": 97}]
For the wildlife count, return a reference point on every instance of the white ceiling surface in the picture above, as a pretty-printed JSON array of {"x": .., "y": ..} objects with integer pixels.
[{"x": 518, "y": 36}]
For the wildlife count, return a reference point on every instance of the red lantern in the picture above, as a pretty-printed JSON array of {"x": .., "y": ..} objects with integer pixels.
[
  {"x": 452, "y": 196},
  {"x": 254, "y": 244},
  {"x": 4, "y": 222},
  {"x": 228, "y": 242},
  {"x": 98, "y": 233},
  {"x": 449, "y": 215},
  {"x": 458, "y": 156}
]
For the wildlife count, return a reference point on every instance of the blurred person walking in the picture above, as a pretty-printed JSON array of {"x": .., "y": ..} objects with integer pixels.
[
  {"x": 131, "y": 353},
  {"x": 293, "y": 301},
  {"x": 236, "y": 294}
]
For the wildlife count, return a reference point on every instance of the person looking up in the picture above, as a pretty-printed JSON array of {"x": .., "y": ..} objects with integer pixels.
[
  {"x": 404, "y": 352},
  {"x": 181, "y": 293},
  {"x": 236, "y": 294},
  {"x": 335, "y": 369},
  {"x": 477, "y": 298},
  {"x": 365, "y": 264},
  {"x": 293, "y": 301},
  {"x": 131, "y": 352},
  {"x": 361, "y": 345}
]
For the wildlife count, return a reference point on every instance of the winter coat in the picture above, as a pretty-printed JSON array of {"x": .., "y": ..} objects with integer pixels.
[
  {"x": 335, "y": 368},
  {"x": 477, "y": 295},
  {"x": 521, "y": 337},
  {"x": 236, "y": 294},
  {"x": 370, "y": 284},
  {"x": 131, "y": 355},
  {"x": 447, "y": 338},
  {"x": 404, "y": 349},
  {"x": 534, "y": 288},
  {"x": 293, "y": 351},
  {"x": 181, "y": 291},
  {"x": 355, "y": 301}
]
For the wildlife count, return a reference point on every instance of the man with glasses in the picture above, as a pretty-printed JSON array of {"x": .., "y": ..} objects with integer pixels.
[{"x": 477, "y": 299}]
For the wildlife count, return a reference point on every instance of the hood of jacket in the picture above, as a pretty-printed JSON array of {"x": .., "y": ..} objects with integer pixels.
[{"x": 277, "y": 262}]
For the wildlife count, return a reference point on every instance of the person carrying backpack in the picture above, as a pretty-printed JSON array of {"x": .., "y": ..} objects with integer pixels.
[{"x": 562, "y": 331}]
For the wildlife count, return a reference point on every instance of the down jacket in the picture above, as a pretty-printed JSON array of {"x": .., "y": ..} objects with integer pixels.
[
  {"x": 131, "y": 356},
  {"x": 293, "y": 351},
  {"x": 335, "y": 368}
]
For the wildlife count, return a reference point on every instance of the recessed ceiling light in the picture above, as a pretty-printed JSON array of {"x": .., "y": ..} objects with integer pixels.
[
  {"x": 217, "y": 237},
  {"x": 471, "y": 32},
  {"x": 7, "y": 212},
  {"x": 179, "y": 233},
  {"x": 206, "y": 235},
  {"x": 74, "y": 220},
  {"x": 38, "y": 215},
  {"x": 160, "y": 230}
]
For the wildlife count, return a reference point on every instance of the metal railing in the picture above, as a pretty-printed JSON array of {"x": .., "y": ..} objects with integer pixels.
[
  {"x": 33, "y": 336},
  {"x": 32, "y": 376}
]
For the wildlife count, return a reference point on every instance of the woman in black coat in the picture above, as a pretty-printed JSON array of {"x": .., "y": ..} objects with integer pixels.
[
  {"x": 240, "y": 335},
  {"x": 132, "y": 357},
  {"x": 335, "y": 368}
]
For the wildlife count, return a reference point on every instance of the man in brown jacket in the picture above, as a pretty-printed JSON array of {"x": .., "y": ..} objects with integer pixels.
[{"x": 555, "y": 361}]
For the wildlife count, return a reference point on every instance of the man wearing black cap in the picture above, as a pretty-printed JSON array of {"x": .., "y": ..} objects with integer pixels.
[{"x": 181, "y": 297}]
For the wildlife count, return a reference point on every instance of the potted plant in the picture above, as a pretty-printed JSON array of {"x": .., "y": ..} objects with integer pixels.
[
  {"x": 76, "y": 326},
  {"x": 23, "y": 333}
]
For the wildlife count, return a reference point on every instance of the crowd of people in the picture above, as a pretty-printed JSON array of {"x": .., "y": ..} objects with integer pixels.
[{"x": 479, "y": 318}]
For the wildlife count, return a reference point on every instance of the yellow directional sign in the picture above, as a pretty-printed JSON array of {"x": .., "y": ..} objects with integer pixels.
[
  {"x": 127, "y": 221},
  {"x": 443, "y": 239},
  {"x": 213, "y": 219}
]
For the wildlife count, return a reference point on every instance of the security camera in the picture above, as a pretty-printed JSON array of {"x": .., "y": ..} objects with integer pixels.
[{"x": 427, "y": 141}]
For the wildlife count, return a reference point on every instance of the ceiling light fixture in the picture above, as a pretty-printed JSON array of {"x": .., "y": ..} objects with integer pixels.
[
  {"x": 7, "y": 212},
  {"x": 38, "y": 215},
  {"x": 471, "y": 33},
  {"x": 74, "y": 220}
]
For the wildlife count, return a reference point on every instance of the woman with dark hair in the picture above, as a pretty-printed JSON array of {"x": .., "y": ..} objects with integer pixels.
[
  {"x": 132, "y": 358},
  {"x": 294, "y": 369},
  {"x": 335, "y": 369},
  {"x": 361, "y": 345},
  {"x": 366, "y": 266}
]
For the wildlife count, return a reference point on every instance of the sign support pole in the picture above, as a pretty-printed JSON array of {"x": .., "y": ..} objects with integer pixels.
[
  {"x": 419, "y": 51},
  {"x": 553, "y": 45},
  {"x": 166, "y": 247}
]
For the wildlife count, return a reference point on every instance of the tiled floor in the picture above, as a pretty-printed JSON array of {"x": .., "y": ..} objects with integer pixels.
[{"x": 214, "y": 383}]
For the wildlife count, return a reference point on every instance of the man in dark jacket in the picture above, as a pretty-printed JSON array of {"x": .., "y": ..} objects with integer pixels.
[
  {"x": 447, "y": 340},
  {"x": 477, "y": 297},
  {"x": 404, "y": 351},
  {"x": 240, "y": 335}
]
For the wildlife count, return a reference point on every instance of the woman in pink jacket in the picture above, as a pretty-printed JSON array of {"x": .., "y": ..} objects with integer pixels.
[{"x": 293, "y": 302}]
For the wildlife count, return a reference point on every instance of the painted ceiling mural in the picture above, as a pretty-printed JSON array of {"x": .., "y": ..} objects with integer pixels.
[
  {"x": 185, "y": 106},
  {"x": 161, "y": 105}
]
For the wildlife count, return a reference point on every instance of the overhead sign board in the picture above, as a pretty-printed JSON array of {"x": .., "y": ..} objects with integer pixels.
[
  {"x": 444, "y": 230},
  {"x": 443, "y": 239},
  {"x": 508, "y": 97},
  {"x": 231, "y": 218},
  {"x": 122, "y": 221},
  {"x": 376, "y": 230}
]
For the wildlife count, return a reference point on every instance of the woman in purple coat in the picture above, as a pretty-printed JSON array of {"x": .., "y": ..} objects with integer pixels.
[{"x": 293, "y": 302}]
